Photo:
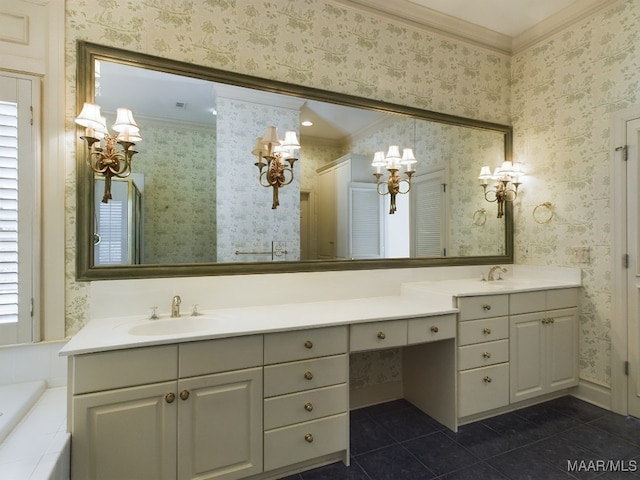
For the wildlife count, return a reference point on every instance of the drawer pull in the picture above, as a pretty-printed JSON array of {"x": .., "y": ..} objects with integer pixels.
[
  {"x": 308, "y": 375},
  {"x": 486, "y": 331},
  {"x": 551, "y": 320},
  {"x": 548, "y": 320},
  {"x": 308, "y": 406},
  {"x": 487, "y": 379},
  {"x": 434, "y": 329},
  {"x": 486, "y": 306},
  {"x": 381, "y": 335},
  {"x": 308, "y": 344},
  {"x": 184, "y": 394},
  {"x": 486, "y": 354},
  {"x": 170, "y": 397},
  {"x": 309, "y": 438}
]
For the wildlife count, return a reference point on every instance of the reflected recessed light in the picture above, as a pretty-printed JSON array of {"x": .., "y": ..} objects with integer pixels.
[{"x": 307, "y": 123}]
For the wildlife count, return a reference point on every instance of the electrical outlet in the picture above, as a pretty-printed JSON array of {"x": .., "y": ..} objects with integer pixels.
[{"x": 581, "y": 254}]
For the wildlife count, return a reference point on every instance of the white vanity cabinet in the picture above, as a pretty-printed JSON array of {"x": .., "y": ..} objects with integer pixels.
[
  {"x": 483, "y": 354},
  {"x": 306, "y": 395},
  {"x": 192, "y": 410},
  {"x": 544, "y": 342}
]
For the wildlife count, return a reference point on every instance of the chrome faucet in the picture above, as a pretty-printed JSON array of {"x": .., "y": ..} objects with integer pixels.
[
  {"x": 493, "y": 270},
  {"x": 175, "y": 307}
]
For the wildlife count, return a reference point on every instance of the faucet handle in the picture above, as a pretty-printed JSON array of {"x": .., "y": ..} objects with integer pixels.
[
  {"x": 177, "y": 300},
  {"x": 194, "y": 310},
  {"x": 153, "y": 313}
]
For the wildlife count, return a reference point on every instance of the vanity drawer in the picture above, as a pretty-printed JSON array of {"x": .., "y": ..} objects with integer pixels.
[
  {"x": 305, "y": 375},
  {"x": 483, "y": 354},
  {"x": 527, "y": 302},
  {"x": 94, "y": 372},
  {"x": 483, "y": 389},
  {"x": 303, "y": 344},
  {"x": 304, "y": 406},
  {"x": 483, "y": 306},
  {"x": 371, "y": 336},
  {"x": 431, "y": 329},
  {"x": 562, "y": 298},
  {"x": 303, "y": 441},
  {"x": 221, "y": 355},
  {"x": 486, "y": 330}
]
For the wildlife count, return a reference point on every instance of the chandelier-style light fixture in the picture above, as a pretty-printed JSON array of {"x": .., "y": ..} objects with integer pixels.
[
  {"x": 507, "y": 173},
  {"x": 394, "y": 162},
  {"x": 272, "y": 154},
  {"x": 109, "y": 155}
]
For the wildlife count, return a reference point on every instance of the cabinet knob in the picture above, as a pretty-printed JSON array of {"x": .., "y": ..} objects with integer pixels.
[
  {"x": 308, "y": 406},
  {"x": 184, "y": 394},
  {"x": 381, "y": 335},
  {"x": 551, "y": 320},
  {"x": 486, "y": 306},
  {"x": 434, "y": 329},
  {"x": 308, "y": 375},
  {"x": 486, "y": 354},
  {"x": 487, "y": 379},
  {"x": 308, "y": 437},
  {"x": 170, "y": 397},
  {"x": 308, "y": 344},
  {"x": 486, "y": 331}
]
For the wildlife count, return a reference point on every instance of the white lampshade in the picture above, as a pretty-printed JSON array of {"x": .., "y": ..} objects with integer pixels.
[
  {"x": 282, "y": 151},
  {"x": 259, "y": 149},
  {"x": 125, "y": 123},
  {"x": 378, "y": 160},
  {"x": 485, "y": 173},
  {"x": 271, "y": 136},
  {"x": 393, "y": 153},
  {"x": 130, "y": 137},
  {"x": 90, "y": 116},
  {"x": 290, "y": 140},
  {"x": 102, "y": 130},
  {"x": 408, "y": 157},
  {"x": 517, "y": 170}
]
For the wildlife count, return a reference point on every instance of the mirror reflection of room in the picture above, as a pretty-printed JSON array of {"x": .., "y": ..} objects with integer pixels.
[{"x": 195, "y": 195}]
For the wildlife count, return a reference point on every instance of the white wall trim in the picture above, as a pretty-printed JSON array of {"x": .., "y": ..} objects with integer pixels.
[
  {"x": 593, "y": 393},
  {"x": 619, "y": 327}
]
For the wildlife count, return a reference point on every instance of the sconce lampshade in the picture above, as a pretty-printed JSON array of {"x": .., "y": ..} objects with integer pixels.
[
  {"x": 290, "y": 140},
  {"x": 408, "y": 158},
  {"x": 271, "y": 136},
  {"x": 259, "y": 149},
  {"x": 378, "y": 160},
  {"x": 90, "y": 117},
  {"x": 125, "y": 122}
]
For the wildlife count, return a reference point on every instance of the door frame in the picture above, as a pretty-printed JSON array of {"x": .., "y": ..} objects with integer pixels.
[{"x": 619, "y": 281}]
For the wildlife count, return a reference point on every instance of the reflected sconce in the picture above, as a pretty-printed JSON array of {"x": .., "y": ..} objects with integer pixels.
[
  {"x": 507, "y": 177},
  {"x": 272, "y": 154},
  {"x": 393, "y": 162},
  {"x": 109, "y": 155}
]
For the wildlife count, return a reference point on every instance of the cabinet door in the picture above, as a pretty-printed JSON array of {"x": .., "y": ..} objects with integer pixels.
[
  {"x": 562, "y": 348},
  {"x": 527, "y": 362},
  {"x": 126, "y": 433},
  {"x": 220, "y": 425}
]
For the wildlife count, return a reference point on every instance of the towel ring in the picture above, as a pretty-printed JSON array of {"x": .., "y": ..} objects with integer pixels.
[
  {"x": 543, "y": 213},
  {"x": 480, "y": 217}
]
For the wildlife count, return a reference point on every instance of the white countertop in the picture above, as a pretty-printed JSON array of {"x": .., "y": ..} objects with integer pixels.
[
  {"x": 115, "y": 333},
  {"x": 417, "y": 299}
]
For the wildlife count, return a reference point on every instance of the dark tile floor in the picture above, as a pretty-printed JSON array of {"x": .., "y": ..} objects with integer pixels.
[{"x": 561, "y": 439}]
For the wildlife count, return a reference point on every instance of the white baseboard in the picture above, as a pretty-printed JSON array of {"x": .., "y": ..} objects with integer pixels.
[{"x": 593, "y": 393}]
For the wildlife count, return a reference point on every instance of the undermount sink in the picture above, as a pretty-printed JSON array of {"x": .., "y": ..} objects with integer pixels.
[{"x": 172, "y": 326}]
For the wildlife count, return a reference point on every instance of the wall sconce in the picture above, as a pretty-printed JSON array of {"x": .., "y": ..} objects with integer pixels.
[
  {"x": 109, "y": 160},
  {"x": 393, "y": 163},
  {"x": 508, "y": 172},
  {"x": 274, "y": 172}
]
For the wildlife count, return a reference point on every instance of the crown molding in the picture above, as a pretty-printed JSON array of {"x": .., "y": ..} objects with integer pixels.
[
  {"x": 434, "y": 21},
  {"x": 566, "y": 17},
  {"x": 419, "y": 16}
]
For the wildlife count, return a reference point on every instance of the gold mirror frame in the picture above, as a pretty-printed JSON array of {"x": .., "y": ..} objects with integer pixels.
[{"x": 88, "y": 53}]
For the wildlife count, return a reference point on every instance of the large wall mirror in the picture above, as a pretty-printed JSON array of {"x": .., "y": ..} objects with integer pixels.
[{"x": 193, "y": 204}]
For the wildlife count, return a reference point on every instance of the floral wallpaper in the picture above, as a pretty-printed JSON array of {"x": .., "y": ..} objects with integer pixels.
[
  {"x": 246, "y": 220},
  {"x": 179, "y": 204},
  {"x": 564, "y": 91}
]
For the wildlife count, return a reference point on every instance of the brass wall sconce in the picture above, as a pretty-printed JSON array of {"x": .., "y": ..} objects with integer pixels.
[
  {"x": 394, "y": 163},
  {"x": 507, "y": 173},
  {"x": 272, "y": 153},
  {"x": 113, "y": 158}
]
